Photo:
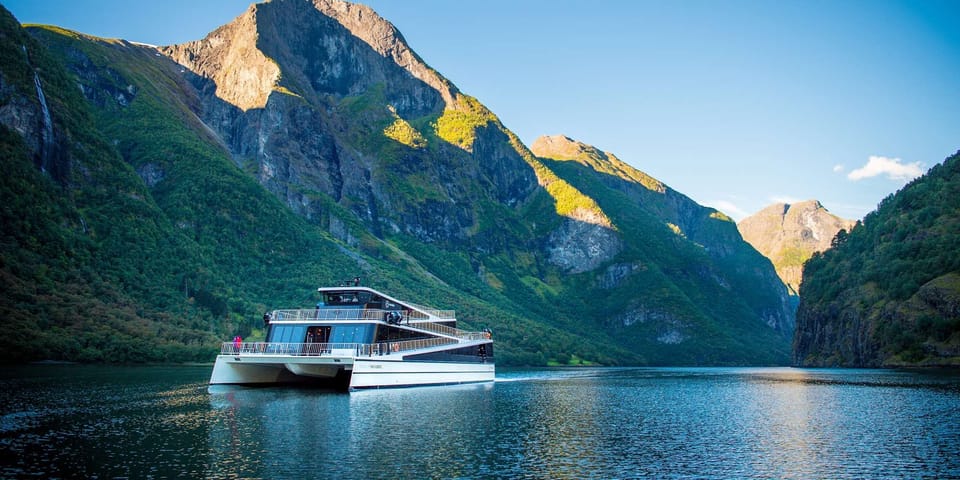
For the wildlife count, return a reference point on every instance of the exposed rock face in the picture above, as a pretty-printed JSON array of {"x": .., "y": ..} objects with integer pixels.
[
  {"x": 384, "y": 38},
  {"x": 789, "y": 234},
  {"x": 688, "y": 218},
  {"x": 25, "y": 111},
  {"x": 298, "y": 89},
  {"x": 580, "y": 246},
  {"x": 229, "y": 56},
  {"x": 23, "y": 115},
  {"x": 667, "y": 221}
]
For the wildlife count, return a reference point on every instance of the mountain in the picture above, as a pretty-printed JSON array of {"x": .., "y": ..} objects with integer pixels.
[
  {"x": 789, "y": 234},
  {"x": 888, "y": 293},
  {"x": 161, "y": 198},
  {"x": 683, "y": 274}
]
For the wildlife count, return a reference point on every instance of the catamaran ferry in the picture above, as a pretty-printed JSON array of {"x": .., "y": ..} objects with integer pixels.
[{"x": 359, "y": 338}]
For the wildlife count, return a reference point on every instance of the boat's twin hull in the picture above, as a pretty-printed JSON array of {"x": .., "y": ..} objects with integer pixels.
[{"x": 362, "y": 372}]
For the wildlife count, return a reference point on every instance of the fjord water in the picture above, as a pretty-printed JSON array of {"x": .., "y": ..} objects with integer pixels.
[{"x": 161, "y": 422}]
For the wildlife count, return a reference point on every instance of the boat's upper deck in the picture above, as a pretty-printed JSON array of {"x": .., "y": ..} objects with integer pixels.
[
  {"x": 408, "y": 320},
  {"x": 370, "y": 299}
]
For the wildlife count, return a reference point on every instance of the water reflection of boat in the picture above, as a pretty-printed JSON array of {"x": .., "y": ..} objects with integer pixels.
[{"x": 358, "y": 338}]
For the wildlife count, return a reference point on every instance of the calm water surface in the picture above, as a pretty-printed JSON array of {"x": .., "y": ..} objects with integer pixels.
[{"x": 164, "y": 422}]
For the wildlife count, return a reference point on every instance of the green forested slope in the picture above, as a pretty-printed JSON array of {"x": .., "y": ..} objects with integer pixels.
[
  {"x": 154, "y": 246},
  {"x": 888, "y": 292},
  {"x": 689, "y": 278},
  {"x": 147, "y": 234},
  {"x": 99, "y": 267}
]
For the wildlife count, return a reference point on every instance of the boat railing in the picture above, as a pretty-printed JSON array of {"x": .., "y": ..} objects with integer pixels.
[
  {"x": 434, "y": 313},
  {"x": 331, "y": 349},
  {"x": 334, "y": 314},
  {"x": 410, "y": 318}
]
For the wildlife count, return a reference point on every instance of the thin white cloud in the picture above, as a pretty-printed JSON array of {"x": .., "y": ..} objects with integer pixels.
[
  {"x": 850, "y": 211},
  {"x": 729, "y": 208},
  {"x": 838, "y": 168},
  {"x": 893, "y": 168}
]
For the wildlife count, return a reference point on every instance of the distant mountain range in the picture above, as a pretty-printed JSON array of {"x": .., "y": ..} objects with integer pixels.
[
  {"x": 158, "y": 200},
  {"x": 789, "y": 234}
]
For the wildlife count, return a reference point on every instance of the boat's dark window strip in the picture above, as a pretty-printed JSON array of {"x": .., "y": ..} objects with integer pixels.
[
  {"x": 287, "y": 334},
  {"x": 475, "y": 354},
  {"x": 388, "y": 334},
  {"x": 342, "y": 299}
]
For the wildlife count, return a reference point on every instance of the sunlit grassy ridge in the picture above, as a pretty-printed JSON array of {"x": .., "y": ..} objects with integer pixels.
[
  {"x": 459, "y": 123},
  {"x": 404, "y": 133}
]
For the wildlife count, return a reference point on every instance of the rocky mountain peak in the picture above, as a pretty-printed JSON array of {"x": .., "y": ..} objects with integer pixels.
[
  {"x": 560, "y": 147},
  {"x": 229, "y": 56},
  {"x": 788, "y": 234},
  {"x": 313, "y": 48},
  {"x": 386, "y": 40}
]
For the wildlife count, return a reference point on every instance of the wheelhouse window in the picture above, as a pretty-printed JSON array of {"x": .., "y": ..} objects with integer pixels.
[{"x": 342, "y": 298}]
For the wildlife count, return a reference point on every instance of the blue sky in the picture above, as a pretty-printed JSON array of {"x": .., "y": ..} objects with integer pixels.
[{"x": 737, "y": 104}]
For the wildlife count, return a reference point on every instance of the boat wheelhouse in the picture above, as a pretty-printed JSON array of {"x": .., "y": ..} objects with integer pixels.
[{"x": 358, "y": 338}]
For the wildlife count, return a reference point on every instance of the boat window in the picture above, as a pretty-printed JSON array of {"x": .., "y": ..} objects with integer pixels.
[
  {"x": 356, "y": 333},
  {"x": 342, "y": 298},
  {"x": 287, "y": 333},
  {"x": 318, "y": 334}
]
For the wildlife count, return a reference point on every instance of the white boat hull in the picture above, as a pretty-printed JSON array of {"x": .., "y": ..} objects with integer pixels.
[
  {"x": 265, "y": 369},
  {"x": 387, "y": 374},
  {"x": 365, "y": 372}
]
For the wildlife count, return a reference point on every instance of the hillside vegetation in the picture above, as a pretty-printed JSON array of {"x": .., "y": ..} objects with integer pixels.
[
  {"x": 888, "y": 293},
  {"x": 166, "y": 211}
]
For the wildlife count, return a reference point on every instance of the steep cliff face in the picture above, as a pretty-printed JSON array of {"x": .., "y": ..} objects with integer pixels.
[
  {"x": 888, "y": 293},
  {"x": 25, "y": 109},
  {"x": 789, "y": 234},
  {"x": 87, "y": 260},
  {"x": 316, "y": 97}
]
